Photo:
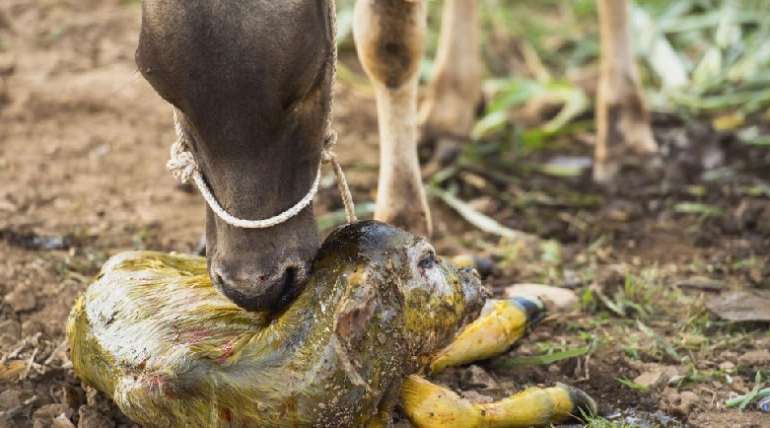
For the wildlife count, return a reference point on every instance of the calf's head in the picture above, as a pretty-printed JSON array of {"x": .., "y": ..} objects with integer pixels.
[
  {"x": 398, "y": 287},
  {"x": 251, "y": 82}
]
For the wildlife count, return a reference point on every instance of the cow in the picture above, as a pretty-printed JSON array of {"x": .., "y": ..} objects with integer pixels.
[{"x": 251, "y": 85}]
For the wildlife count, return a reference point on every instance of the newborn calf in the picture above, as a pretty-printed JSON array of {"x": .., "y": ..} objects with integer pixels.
[{"x": 154, "y": 334}]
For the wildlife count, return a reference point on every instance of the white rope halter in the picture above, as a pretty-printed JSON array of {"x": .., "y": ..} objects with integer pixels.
[{"x": 183, "y": 166}]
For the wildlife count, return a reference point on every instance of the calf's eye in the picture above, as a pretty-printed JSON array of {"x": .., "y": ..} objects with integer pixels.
[{"x": 428, "y": 261}]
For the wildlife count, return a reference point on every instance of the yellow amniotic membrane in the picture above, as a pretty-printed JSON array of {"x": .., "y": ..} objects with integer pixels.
[
  {"x": 501, "y": 324},
  {"x": 432, "y": 406},
  {"x": 154, "y": 335}
]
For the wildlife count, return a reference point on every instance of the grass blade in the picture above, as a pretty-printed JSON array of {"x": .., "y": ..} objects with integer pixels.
[
  {"x": 481, "y": 221},
  {"x": 510, "y": 362}
]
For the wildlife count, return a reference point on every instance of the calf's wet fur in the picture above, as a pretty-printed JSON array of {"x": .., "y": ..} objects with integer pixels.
[{"x": 154, "y": 335}]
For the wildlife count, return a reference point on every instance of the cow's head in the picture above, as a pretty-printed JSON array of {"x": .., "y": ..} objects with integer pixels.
[{"x": 252, "y": 81}]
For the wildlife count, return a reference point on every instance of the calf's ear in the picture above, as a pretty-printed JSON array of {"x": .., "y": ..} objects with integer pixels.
[{"x": 357, "y": 308}]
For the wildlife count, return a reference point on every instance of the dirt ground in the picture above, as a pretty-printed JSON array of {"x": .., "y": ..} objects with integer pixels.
[{"x": 83, "y": 145}]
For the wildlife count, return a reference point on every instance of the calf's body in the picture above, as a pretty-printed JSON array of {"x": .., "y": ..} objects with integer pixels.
[{"x": 153, "y": 335}]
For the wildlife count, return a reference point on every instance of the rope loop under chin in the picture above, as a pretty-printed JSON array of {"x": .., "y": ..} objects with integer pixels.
[{"x": 184, "y": 168}]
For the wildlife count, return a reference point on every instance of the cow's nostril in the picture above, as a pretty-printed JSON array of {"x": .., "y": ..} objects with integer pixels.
[
  {"x": 290, "y": 285},
  {"x": 217, "y": 279},
  {"x": 290, "y": 276},
  {"x": 259, "y": 291}
]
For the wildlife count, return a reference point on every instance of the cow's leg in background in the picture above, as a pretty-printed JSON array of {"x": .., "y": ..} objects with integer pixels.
[
  {"x": 389, "y": 37},
  {"x": 622, "y": 119},
  {"x": 449, "y": 110},
  {"x": 623, "y": 122}
]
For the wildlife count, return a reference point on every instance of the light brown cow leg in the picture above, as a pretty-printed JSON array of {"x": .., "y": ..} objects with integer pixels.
[
  {"x": 622, "y": 119},
  {"x": 448, "y": 112},
  {"x": 389, "y": 37}
]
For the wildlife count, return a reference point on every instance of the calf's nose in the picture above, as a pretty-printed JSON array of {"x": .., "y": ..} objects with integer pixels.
[{"x": 259, "y": 290}]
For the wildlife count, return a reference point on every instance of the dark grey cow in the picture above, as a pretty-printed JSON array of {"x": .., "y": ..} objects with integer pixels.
[{"x": 252, "y": 81}]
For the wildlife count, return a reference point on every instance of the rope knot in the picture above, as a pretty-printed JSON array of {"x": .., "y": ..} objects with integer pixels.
[
  {"x": 181, "y": 163},
  {"x": 327, "y": 153}
]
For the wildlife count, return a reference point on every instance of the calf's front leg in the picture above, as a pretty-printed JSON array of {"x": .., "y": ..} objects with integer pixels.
[
  {"x": 389, "y": 37},
  {"x": 622, "y": 119}
]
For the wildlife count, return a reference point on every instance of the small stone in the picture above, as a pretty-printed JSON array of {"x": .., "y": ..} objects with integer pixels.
[
  {"x": 687, "y": 402},
  {"x": 655, "y": 375},
  {"x": 21, "y": 299},
  {"x": 727, "y": 366},
  {"x": 680, "y": 404},
  {"x": 650, "y": 379},
  {"x": 560, "y": 299},
  {"x": 728, "y": 355},
  {"x": 476, "y": 377},
  {"x": 742, "y": 306},
  {"x": 755, "y": 358}
]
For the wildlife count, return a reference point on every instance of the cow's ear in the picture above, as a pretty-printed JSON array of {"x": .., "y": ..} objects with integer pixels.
[{"x": 357, "y": 308}]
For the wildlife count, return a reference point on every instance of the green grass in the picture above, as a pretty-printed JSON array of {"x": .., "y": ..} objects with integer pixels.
[
  {"x": 599, "y": 422},
  {"x": 717, "y": 48}
]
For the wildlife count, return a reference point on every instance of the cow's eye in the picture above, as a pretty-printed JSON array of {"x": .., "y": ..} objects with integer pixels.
[{"x": 428, "y": 261}]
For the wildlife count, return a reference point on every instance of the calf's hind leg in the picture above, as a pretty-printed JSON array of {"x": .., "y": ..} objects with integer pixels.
[
  {"x": 432, "y": 406},
  {"x": 622, "y": 119},
  {"x": 389, "y": 37},
  {"x": 500, "y": 325}
]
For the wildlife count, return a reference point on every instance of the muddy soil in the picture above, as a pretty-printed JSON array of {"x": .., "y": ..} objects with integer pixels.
[{"x": 84, "y": 141}]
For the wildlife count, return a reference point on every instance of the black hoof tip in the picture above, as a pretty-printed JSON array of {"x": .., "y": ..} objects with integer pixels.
[
  {"x": 534, "y": 308},
  {"x": 583, "y": 405}
]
